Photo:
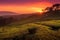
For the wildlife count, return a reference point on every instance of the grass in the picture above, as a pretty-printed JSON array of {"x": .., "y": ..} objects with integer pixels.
[
  {"x": 52, "y": 22},
  {"x": 20, "y": 28}
]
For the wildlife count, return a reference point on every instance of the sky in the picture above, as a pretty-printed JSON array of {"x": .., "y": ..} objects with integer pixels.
[{"x": 26, "y": 6}]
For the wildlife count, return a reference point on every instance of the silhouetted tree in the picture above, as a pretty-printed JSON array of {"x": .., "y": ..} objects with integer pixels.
[
  {"x": 49, "y": 9},
  {"x": 5, "y": 21},
  {"x": 53, "y": 8},
  {"x": 56, "y": 6},
  {"x": 2, "y": 21}
]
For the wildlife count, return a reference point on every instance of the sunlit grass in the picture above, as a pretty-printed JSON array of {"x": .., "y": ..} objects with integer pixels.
[
  {"x": 52, "y": 22},
  {"x": 19, "y": 28}
]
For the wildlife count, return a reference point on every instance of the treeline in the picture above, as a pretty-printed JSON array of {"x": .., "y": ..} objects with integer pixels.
[{"x": 5, "y": 20}]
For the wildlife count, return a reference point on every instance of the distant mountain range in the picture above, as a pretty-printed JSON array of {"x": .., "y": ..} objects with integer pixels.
[{"x": 3, "y": 13}]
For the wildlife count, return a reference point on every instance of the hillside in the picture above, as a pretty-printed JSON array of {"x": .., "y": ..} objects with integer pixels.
[
  {"x": 32, "y": 27},
  {"x": 19, "y": 30}
]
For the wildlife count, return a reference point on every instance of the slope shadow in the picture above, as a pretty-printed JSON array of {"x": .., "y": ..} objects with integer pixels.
[{"x": 55, "y": 28}]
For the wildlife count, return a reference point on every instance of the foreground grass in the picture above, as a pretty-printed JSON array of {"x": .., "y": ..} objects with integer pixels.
[{"x": 21, "y": 28}]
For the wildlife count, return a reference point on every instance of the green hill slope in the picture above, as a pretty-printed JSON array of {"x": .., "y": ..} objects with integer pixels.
[
  {"x": 33, "y": 27},
  {"x": 20, "y": 30}
]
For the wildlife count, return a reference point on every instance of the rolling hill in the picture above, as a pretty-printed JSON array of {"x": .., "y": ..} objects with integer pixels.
[
  {"x": 33, "y": 27},
  {"x": 3, "y": 13}
]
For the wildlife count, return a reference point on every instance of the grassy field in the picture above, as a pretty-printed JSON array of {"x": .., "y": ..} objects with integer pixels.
[{"x": 20, "y": 29}]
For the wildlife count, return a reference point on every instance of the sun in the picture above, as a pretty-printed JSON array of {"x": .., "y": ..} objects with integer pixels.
[
  {"x": 37, "y": 9},
  {"x": 40, "y": 11}
]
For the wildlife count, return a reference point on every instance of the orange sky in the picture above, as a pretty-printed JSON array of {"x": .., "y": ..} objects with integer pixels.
[{"x": 25, "y": 8}]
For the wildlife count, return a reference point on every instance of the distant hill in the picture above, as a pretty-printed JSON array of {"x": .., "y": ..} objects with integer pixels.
[{"x": 3, "y": 13}]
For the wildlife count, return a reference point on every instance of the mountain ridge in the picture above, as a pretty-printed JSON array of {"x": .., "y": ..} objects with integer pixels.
[{"x": 3, "y": 13}]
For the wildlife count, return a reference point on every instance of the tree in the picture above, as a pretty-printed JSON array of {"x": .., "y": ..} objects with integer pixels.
[
  {"x": 56, "y": 6},
  {"x": 49, "y": 9},
  {"x": 53, "y": 8}
]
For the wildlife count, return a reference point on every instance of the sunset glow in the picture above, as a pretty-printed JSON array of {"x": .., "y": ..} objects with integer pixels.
[
  {"x": 26, "y": 7},
  {"x": 37, "y": 9},
  {"x": 23, "y": 8}
]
